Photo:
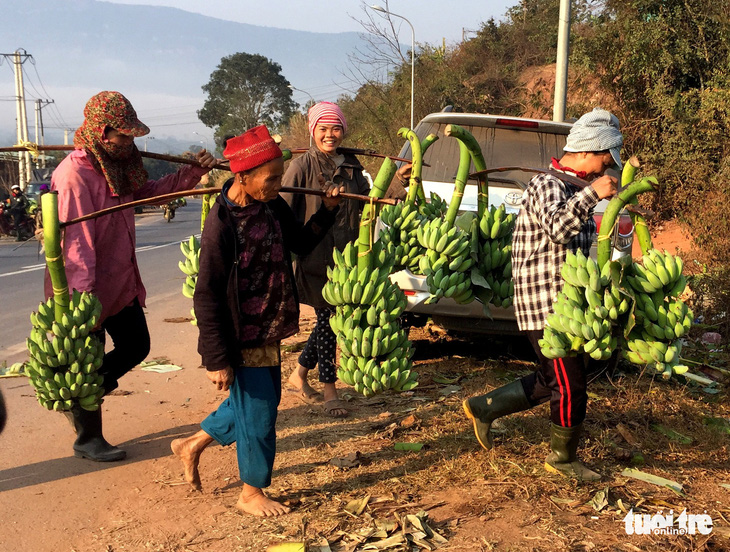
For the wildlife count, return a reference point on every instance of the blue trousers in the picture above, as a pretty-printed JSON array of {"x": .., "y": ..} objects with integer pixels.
[{"x": 248, "y": 417}]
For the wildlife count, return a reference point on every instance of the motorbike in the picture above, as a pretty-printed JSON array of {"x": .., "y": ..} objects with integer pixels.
[
  {"x": 7, "y": 225},
  {"x": 168, "y": 210}
]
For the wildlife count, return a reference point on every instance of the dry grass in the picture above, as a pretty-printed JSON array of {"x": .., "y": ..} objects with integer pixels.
[{"x": 479, "y": 500}]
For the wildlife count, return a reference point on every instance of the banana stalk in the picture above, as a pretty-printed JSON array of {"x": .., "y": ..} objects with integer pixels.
[
  {"x": 370, "y": 214},
  {"x": 462, "y": 176},
  {"x": 615, "y": 206},
  {"x": 54, "y": 254},
  {"x": 414, "y": 184},
  {"x": 641, "y": 230},
  {"x": 425, "y": 144},
  {"x": 64, "y": 356},
  {"x": 479, "y": 164}
]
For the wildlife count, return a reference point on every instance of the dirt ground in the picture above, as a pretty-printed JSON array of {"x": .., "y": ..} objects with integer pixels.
[{"x": 476, "y": 500}]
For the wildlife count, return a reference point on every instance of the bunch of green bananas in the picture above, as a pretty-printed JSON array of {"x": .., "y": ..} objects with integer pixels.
[
  {"x": 585, "y": 310},
  {"x": 659, "y": 271},
  {"x": 495, "y": 253},
  {"x": 435, "y": 208},
  {"x": 190, "y": 267},
  {"x": 375, "y": 353},
  {"x": 401, "y": 221},
  {"x": 447, "y": 261},
  {"x": 661, "y": 318},
  {"x": 64, "y": 357}
]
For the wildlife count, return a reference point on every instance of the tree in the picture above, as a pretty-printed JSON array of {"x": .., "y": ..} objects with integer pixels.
[{"x": 244, "y": 91}]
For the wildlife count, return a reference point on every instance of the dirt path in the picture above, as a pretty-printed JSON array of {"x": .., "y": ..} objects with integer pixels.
[{"x": 498, "y": 500}]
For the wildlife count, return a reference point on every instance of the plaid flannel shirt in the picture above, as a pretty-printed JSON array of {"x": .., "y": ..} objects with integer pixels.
[{"x": 555, "y": 217}]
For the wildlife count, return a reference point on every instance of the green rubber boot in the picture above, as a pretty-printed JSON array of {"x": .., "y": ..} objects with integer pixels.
[
  {"x": 484, "y": 409},
  {"x": 563, "y": 460}
]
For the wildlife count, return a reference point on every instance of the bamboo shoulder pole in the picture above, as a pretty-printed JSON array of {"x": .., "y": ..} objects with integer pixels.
[{"x": 205, "y": 191}]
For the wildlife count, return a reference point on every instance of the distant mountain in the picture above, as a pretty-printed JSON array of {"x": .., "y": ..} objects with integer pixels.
[{"x": 156, "y": 55}]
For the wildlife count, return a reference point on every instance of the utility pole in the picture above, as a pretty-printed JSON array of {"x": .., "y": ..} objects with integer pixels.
[
  {"x": 24, "y": 169},
  {"x": 561, "y": 65},
  {"x": 39, "y": 125}
]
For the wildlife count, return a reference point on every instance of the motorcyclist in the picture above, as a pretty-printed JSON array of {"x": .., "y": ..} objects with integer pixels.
[
  {"x": 168, "y": 210},
  {"x": 17, "y": 207}
]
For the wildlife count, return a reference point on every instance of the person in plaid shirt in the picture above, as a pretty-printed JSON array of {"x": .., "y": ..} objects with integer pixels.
[{"x": 555, "y": 217}]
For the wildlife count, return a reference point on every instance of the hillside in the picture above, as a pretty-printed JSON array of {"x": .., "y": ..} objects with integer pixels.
[{"x": 157, "y": 55}]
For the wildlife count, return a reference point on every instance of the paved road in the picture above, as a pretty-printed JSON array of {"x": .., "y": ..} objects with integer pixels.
[{"x": 22, "y": 272}]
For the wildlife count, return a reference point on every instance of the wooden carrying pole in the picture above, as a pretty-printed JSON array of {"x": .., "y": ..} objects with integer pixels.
[
  {"x": 161, "y": 156},
  {"x": 161, "y": 199},
  {"x": 177, "y": 159},
  {"x": 562, "y": 176}
]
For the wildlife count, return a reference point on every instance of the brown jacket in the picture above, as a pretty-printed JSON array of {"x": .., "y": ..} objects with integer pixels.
[{"x": 310, "y": 272}]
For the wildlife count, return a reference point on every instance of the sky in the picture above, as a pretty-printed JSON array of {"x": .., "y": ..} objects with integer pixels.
[{"x": 432, "y": 20}]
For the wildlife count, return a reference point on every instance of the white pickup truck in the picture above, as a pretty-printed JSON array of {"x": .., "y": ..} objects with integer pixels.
[{"x": 505, "y": 142}]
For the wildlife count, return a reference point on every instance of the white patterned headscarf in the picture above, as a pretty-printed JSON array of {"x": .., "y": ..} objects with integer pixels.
[{"x": 597, "y": 130}]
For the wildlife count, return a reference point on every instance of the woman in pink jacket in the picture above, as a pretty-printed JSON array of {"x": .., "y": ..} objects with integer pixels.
[{"x": 106, "y": 170}]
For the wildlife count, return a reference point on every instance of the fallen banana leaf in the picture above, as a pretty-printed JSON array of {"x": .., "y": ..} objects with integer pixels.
[
  {"x": 569, "y": 502},
  {"x": 419, "y": 523},
  {"x": 411, "y": 447},
  {"x": 384, "y": 544},
  {"x": 654, "y": 480},
  {"x": 673, "y": 435},
  {"x": 161, "y": 368},
  {"x": 626, "y": 434},
  {"x": 620, "y": 504},
  {"x": 600, "y": 500},
  {"x": 352, "y": 460},
  {"x": 13, "y": 371},
  {"x": 357, "y": 506}
]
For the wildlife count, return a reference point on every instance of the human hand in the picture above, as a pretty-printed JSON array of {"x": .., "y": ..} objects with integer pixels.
[
  {"x": 403, "y": 174},
  {"x": 221, "y": 378},
  {"x": 332, "y": 191},
  {"x": 605, "y": 186},
  {"x": 206, "y": 159}
]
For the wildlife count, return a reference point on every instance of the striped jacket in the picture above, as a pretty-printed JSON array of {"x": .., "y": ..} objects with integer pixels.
[{"x": 555, "y": 217}]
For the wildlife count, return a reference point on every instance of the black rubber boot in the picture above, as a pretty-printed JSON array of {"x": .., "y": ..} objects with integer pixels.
[
  {"x": 484, "y": 409},
  {"x": 563, "y": 459},
  {"x": 90, "y": 443}
]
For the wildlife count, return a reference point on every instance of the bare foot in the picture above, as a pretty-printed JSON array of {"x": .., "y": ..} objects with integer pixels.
[
  {"x": 189, "y": 450},
  {"x": 253, "y": 501}
]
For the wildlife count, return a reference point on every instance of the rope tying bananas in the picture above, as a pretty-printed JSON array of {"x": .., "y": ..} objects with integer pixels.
[{"x": 64, "y": 357}]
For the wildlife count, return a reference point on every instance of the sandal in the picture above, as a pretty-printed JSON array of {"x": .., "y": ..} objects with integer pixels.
[
  {"x": 331, "y": 407},
  {"x": 311, "y": 397}
]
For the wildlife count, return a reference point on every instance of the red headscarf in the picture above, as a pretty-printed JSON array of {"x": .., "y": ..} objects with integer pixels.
[{"x": 122, "y": 167}]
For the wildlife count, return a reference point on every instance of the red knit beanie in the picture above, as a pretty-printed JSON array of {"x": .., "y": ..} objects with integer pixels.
[{"x": 251, "y": 149}]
